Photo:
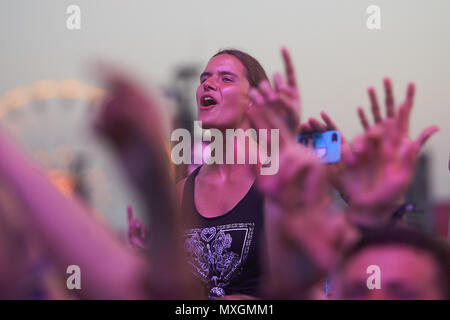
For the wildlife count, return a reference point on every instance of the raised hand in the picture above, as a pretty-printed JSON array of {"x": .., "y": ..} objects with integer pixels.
[
  {"x": 110, "y": 270},
  {"x": 284, "y": 97},
  {"x": 401, "y": 114},
  {"x": 300, "y": 225},
  {"x": 381, "y": 163},
  {"x": 390, "y": 104},
  {"x": 128, "y": 111},
  {"x": 133, "y": 124},
  {"x": 137, "y": 232},
  {"x": 334, "y": 170}
]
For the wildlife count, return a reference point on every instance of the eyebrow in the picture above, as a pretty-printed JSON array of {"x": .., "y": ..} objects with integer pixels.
[{"x": 220, "y": 73}]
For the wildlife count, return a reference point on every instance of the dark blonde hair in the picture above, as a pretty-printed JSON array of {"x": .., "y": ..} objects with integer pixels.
[{"x": 255, "y": 72}]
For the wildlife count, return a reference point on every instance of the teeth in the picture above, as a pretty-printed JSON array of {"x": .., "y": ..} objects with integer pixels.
[{"x": 208, "y": 101}]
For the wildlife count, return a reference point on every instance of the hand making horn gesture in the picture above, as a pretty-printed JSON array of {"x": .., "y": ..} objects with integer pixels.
[{"x": 283, "y": 97}]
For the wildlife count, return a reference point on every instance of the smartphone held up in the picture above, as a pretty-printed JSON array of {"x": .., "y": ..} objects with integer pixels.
[{"x": 326, "y": 145}]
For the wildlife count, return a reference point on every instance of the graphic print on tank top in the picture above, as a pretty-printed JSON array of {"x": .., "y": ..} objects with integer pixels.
[{"x": 218, "y": 253}]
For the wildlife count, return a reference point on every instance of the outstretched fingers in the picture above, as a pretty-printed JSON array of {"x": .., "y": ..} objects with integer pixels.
[
  {"x": 390, "y": 104},
  {"x": 268, "y": 93},
  {"x": 305, "y": 128},
  {"x": 410, "y": 92},
  {"x": 426, "y": 134},
  {"x": 408, "y": 104},
  {"x": 255, "y": 114},
  {"x": 289, "y": 67},
  {"x": 284, "y": 98},
  {"x": 363, "y": 119},
  {"x": 375, "y": 105},
  {"x": 279, "y": 83},
  {"x": 316, "y": 125},
  {"x": 262, "y": 116},
  {"x": 330, "y": 123}
]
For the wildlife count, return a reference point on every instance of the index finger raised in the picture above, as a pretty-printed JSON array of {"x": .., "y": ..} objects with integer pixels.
[{"x": 289, "y": 67}]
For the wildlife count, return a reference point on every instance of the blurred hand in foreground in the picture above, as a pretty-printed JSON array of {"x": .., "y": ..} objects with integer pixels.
[
  {"x": 380, "y": 165},
  {"x": 304, "y": 237}
]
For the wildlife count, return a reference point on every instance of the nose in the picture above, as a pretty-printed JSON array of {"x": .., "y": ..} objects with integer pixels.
[{"x": 209, "y": 85}]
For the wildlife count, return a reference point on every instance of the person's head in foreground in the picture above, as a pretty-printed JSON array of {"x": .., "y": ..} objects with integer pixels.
[{"x": 394, "y": 263}]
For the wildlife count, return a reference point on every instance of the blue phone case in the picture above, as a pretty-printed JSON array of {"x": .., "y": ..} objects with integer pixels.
[{"x": 327, "y": 145}]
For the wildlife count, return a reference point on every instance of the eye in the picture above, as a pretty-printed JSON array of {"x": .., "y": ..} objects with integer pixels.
[{"x": 227, "y": 79}]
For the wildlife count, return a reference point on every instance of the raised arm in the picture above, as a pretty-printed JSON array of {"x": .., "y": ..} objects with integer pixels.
[
  {"x": 304, "y": 237},
  {"x": 71, "y": 236},
  {"x": 132, "y": 123},
  {"x": 380, "y": 165}
]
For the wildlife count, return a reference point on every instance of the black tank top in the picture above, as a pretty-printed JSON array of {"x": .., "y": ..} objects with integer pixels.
[{"x": 224, "y": 252}]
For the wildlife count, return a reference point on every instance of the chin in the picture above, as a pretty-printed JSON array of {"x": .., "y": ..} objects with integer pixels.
[
  {"x": 218, "y": 121},
  {"x": 206, "y": 124}
]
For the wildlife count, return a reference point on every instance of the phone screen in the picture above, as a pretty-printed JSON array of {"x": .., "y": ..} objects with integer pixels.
[{"x": 326, "y": 145}]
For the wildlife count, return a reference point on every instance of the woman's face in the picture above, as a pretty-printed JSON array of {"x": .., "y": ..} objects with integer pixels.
[{"x": 222, "y": 96}]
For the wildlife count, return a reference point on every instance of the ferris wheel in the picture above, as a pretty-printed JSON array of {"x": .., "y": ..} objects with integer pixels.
[{"x": 51, "y": 120}]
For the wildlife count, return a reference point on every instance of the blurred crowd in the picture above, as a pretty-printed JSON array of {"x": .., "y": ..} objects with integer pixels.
[{"x": 225, "y": 231}]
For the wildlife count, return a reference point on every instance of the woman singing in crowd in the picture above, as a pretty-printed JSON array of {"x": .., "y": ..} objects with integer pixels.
[
  {"x": 226, "y": 243},
  {"x": 232, "y": 222}
]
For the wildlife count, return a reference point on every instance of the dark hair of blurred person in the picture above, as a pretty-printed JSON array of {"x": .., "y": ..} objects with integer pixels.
[{"x": 413, "y": 265}]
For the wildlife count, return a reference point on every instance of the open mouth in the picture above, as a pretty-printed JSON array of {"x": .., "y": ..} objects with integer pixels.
[{"x": 207, "y": 102}]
